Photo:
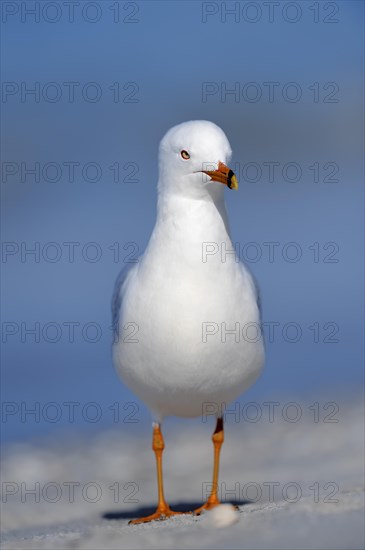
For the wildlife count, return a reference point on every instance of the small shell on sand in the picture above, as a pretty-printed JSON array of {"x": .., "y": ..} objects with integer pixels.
[{"x": 222, "y": 515}]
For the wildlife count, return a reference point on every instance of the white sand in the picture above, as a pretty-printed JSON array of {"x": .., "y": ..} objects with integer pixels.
[{"x": 306, "y": 454}]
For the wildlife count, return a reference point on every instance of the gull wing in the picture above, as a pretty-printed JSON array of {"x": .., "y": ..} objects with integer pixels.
[{"x": 119, "y": 288}]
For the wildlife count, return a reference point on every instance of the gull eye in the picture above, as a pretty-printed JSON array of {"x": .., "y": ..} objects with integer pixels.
[{"x": 185, "y": 155}]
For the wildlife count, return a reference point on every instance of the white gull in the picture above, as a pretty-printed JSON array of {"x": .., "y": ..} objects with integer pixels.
[{"x": 173, "y": 308}]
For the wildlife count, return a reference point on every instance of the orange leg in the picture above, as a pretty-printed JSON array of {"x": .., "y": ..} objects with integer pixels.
[
  {"x": 217, "y": 438},
  {"x": 163, "y": 510}
]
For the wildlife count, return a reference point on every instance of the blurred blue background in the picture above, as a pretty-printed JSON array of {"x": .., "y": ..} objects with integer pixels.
[{"x": 159, "y": 56}]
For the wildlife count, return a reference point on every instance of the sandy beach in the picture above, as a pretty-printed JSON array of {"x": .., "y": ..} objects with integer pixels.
[{"x": 297, "y": 484}]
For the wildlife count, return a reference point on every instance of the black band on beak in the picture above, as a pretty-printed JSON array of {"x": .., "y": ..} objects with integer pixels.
[{"x": 229, "y": 179}]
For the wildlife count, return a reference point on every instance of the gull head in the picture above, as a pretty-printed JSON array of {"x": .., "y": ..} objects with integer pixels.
[{"x": 193, "y": 160}]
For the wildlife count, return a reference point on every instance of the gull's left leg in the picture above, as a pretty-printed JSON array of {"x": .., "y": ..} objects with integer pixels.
[{"x": 217, "y": 438}]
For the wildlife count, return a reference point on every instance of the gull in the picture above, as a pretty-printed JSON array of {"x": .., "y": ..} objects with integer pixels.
[{"x": 187, "y": 314}]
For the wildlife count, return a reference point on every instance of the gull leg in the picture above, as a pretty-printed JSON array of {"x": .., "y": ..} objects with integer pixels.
[
  {"x": 163, "y": 510},
  {"x": 217, "y": 438}
]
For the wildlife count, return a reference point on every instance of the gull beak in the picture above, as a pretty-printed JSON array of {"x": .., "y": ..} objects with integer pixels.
[{"x": 224, "y": 175}]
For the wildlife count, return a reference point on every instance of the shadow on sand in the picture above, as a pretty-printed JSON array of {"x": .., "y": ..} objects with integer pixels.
[{"x": 147, "y": 510}]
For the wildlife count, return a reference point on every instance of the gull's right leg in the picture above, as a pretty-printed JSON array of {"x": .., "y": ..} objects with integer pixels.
[{"x": 163, "y": 510}]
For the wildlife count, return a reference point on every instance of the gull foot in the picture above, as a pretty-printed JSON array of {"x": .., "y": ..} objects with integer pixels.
[{"x": 162, "y": 513}]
